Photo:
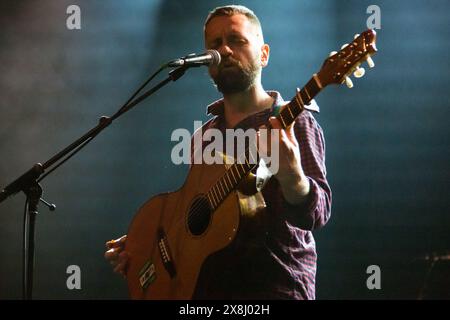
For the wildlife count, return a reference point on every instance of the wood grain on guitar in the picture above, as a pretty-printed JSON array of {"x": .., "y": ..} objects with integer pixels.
[{"x": 173, "y": 233}]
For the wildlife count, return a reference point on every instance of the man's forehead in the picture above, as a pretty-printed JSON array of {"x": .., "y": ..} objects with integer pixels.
[{"x": 237, "y": 23}]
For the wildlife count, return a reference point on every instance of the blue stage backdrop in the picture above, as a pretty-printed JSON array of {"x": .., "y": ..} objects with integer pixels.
[{"x": 387, "y": 138}]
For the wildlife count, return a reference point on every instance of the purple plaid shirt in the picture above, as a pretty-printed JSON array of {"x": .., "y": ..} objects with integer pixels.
[{"x": 273, "y": 256}]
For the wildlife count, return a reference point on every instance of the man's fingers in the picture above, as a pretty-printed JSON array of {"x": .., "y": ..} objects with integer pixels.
[
  {"x": 116, "y": 242},
  {"x": 112, "y": 253},
  {"x": 124, "y": 256},
  {"x": 122, "y": 264},
  {"x": 290, "y": 134},
  {"x": 119, "y": 268},
  {"x": 285, "y": 134},
  {"x": 275, "y": 123}
]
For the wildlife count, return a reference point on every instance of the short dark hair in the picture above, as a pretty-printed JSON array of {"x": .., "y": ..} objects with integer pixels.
[{"x": 231, "y": 10}]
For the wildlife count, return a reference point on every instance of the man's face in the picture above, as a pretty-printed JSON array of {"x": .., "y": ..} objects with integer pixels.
[{"x": 242, "y": 49}]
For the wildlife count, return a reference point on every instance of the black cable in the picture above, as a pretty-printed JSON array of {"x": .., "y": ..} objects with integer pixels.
[
  {"x": 81, "y": 146},
  {"x": 161, "y": 68}
]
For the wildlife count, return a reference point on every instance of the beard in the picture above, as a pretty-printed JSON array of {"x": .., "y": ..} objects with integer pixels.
[{"x": 233, "y": 77}]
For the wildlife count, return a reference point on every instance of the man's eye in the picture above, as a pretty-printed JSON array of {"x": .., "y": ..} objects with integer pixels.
[{"x": 238, "y": 41}]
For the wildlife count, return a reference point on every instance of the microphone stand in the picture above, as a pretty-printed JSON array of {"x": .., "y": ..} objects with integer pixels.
[{"x": 29, "y": 181}]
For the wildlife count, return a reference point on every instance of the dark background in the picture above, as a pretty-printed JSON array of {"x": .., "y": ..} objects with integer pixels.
[{"x": 387, "y": 138}]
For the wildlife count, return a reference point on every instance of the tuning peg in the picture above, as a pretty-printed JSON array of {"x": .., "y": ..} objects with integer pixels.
[
  {"x": 356, "y": 36},
  {"x": 370, "y": 62},
  {"x": 349, "y": 82},
  {"x": 344, "y": 45},
  {"x": 332, "y": 53},
  {"x": 359, "y": 72}
]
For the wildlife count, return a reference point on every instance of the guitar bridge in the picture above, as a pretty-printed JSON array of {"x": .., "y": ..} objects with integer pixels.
[{"x": 165, "y": 253}]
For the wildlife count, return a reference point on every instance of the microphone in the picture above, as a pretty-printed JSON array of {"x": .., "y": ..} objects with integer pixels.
[{"x": 209, "y": 58}]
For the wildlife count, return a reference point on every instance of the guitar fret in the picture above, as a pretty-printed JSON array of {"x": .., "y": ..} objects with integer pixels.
[
  {"x": 299, "y": 96},
  {"x": 238, "y": 174},
  {"x": 307, "y": 93},
  {"x": 221, "y": 191},
  {"x": 282, "y": 120},
  {"x": 304, "y": 100},
  {"x": 298, "y": 108},
  {"x": 314, "y": 85},
  {"x": 289, "y": 109},
  {"x": 223, "y": 180},
  {"x": 237, "y": 169},
  {"x": 239, "y": 161},
  {"x": 288, "y": 115},
  {"x": 221, "y": 195},
  {"x": 252, "y": 159},
  {"x": 243, "y": 169},
  {"x": 228, "y": 177},
  {"x": 208, "y": 195},
  {"x": 216, "y": 194},
  {"x": 227, "y": 187},
  {"x": 317, "y": 82},
  {"x": 214, "y": 198},
  {"x": 231, "y": 170},
  {"x": 246, "y": 161},
  {"x": 220, "y": 185}
]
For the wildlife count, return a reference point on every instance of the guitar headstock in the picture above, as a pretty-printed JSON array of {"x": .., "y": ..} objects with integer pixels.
[{"x": 339, "y": 65}]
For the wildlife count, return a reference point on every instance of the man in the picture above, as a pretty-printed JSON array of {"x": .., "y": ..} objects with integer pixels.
[{"x": 273, "y": 255}]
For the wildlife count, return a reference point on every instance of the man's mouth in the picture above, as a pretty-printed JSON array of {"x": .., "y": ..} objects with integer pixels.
[{"x": 229, "y": 65}]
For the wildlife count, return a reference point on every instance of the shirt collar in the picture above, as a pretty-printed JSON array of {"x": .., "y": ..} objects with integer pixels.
[{"x": 216, "y": 108}]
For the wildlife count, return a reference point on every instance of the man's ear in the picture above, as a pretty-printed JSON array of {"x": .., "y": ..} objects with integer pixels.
[{"x": 265, "y": 52}]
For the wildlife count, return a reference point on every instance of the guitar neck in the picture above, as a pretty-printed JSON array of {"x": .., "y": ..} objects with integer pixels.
[
  {"x": 246, "y": 162},
  {"x": 289, "y": 112}
]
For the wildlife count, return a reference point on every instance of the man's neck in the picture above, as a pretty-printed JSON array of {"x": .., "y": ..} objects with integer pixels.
[{"x": 240, "y": 105}]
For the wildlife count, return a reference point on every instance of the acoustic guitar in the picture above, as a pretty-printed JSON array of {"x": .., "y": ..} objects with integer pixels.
[{"x": 173, "y": 233}]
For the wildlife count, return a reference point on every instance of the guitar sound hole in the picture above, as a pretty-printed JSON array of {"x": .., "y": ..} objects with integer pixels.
[{"x": 199, "y": 216}]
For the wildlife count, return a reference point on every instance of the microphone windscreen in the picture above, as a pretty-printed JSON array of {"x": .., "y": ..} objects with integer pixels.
[{"x": 216, "y": 58}]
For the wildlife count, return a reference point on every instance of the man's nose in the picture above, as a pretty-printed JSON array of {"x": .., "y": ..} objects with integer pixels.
[{"x": 225, "y": 50}]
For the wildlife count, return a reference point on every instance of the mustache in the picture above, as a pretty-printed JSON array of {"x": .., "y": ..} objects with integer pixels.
[{"x": 229, "y": 62}]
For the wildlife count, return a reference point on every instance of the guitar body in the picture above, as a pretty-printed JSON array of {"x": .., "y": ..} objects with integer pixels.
[{"x": 162, "y": 228}]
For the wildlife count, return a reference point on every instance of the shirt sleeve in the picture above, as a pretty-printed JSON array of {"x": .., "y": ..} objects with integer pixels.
[{"x": 315, "y": 212}]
